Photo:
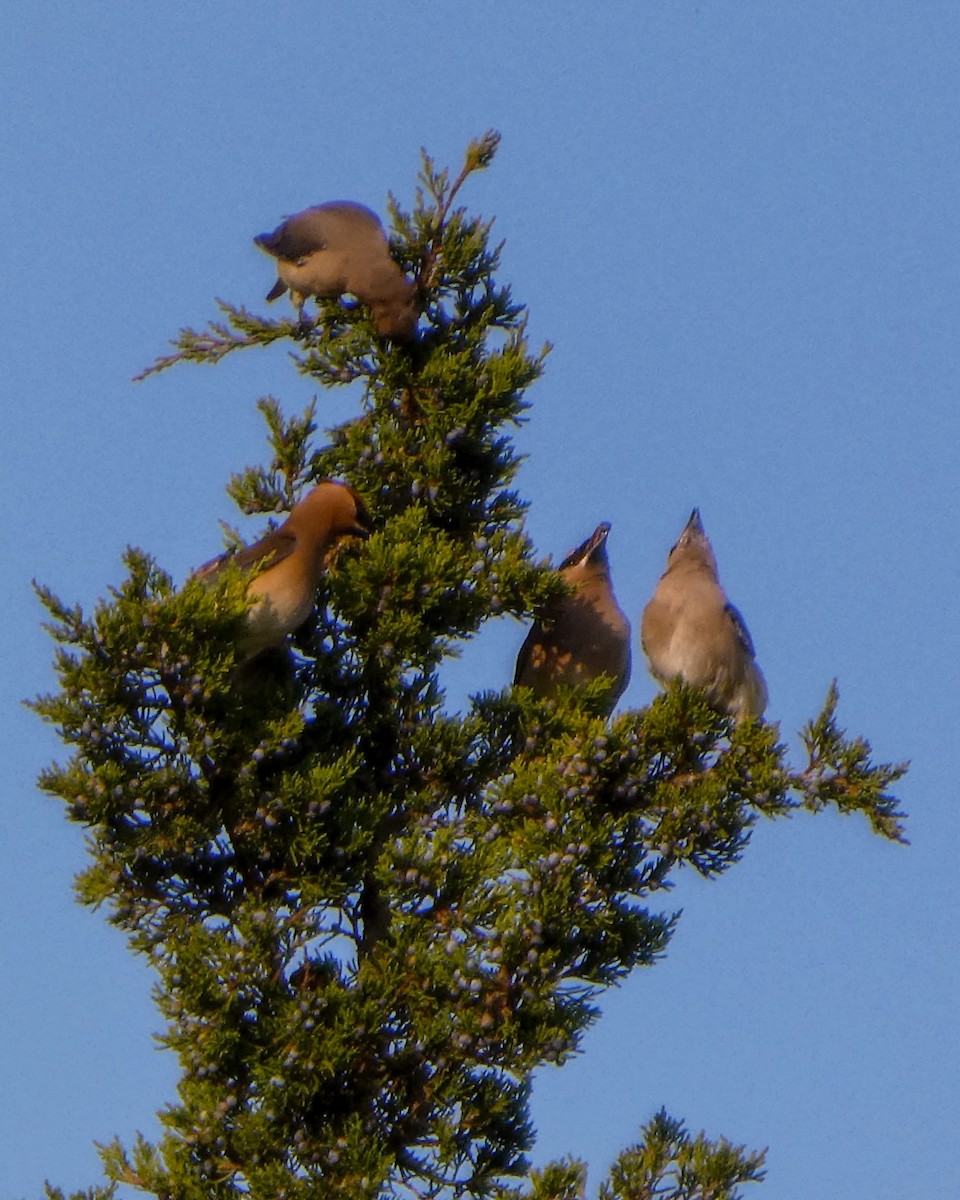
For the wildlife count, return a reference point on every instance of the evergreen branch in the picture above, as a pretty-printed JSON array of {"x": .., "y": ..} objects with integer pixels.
[
  {"x": 840, "y": 772},
  {"x": 670, "y": 1165},
  {"x": 242, "y": 329},
  {"x": 277, "y": 488},
  {"x": 95, "y": 1193},
  {"x": 479, "y": 155}
]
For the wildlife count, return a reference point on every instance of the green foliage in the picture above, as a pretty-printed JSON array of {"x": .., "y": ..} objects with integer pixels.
[
  {"x": 94, "y": 1193},
  {"x": 670, "y": 1165},
  {"x": 371, "y": 920},
  {"x": 667, "y": 1164},
  {"x": 557, "y": 1181}
]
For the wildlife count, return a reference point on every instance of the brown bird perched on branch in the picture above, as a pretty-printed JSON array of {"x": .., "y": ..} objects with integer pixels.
[
  {"x": 341, "y": 247},
  {"x": 290, "y": 561},
  {"x": 583, "y": 635},
  {"x": 691, "y": 631}
]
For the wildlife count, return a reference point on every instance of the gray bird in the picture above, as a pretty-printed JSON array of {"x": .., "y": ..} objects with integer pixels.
[
  {"x": 341, "y": 247},
  {"x": 582, "y": 636},
  {"x": 691, "y": 631},
  {"x": 291, "y": 561}
]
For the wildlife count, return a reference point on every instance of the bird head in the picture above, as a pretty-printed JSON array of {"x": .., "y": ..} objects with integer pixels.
[
  {"x": 693, "y": 545},
  {"x": 340, "y": 508},
  {"x": 592, "y": 552}
]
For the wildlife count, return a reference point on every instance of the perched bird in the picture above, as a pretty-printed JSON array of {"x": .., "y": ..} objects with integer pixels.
[
  {"x": 341, "y": 247},
  {"x": 291, "y": 561},
  {"x": 691, "y": 631},
  {"x": 583, "y": 635}
]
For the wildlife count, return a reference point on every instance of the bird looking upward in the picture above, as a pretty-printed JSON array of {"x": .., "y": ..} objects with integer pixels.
[
  {"x": 691, "y": 631},
  {"x": 583, "y": 635},
  {"x": 341, "y": 247},
  {"x": 291, "y": 561}
]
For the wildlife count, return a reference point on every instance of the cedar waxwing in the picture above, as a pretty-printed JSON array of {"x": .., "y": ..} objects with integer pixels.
[
  {"x": 341, "y": 247},
  {"x": 583, "y": 635},
  {"x": 293, "y": 558},
  {"x": 691, "y": 630}
]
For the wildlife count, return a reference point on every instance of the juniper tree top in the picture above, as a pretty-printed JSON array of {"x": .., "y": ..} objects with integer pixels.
[{"x": 372, "y": 919}]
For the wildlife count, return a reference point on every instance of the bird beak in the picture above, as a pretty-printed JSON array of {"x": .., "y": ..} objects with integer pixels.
[
  {"x": 587, "y": 549},
  {"x": 361, "y": 526},
  {"x": 597, "y": 539},
  {"x": 694, "y": 525}
]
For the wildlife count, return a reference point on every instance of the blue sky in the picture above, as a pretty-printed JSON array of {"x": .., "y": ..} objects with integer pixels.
[{"x": 738, "y": 225}]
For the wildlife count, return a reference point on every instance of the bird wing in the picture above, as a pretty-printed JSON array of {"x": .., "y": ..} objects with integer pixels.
[
  {"x": 522, "y": 659},
  {"x": 336, "y": 225},
  {"x": 297, "y": 237},
  {"x": 267, "y": 552},
  {"x": 740, "y": 629},
  {"x": 526, "y": 650}
]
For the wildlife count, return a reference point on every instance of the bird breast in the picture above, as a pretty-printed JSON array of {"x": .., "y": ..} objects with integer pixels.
[
  {"x": 324, "y": 274},
  {"x": 283, "y": 604},
  {"x": 594, "y": 637}
]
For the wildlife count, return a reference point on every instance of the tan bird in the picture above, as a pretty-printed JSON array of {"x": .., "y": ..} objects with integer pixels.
[
  {"x": 341, "y": 247},
  {"x": 291, "y": 561},
  {"x": 585, "y": 634},
  {"x": 691, "y": 631}
]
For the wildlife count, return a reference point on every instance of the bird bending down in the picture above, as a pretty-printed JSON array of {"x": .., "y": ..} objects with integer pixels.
[
  {"x": 583, "y": 635},
  {"x": 691, "y": 631},
  {"x": 341, "y": 247},
  {"x": 291, "y": 561}
]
